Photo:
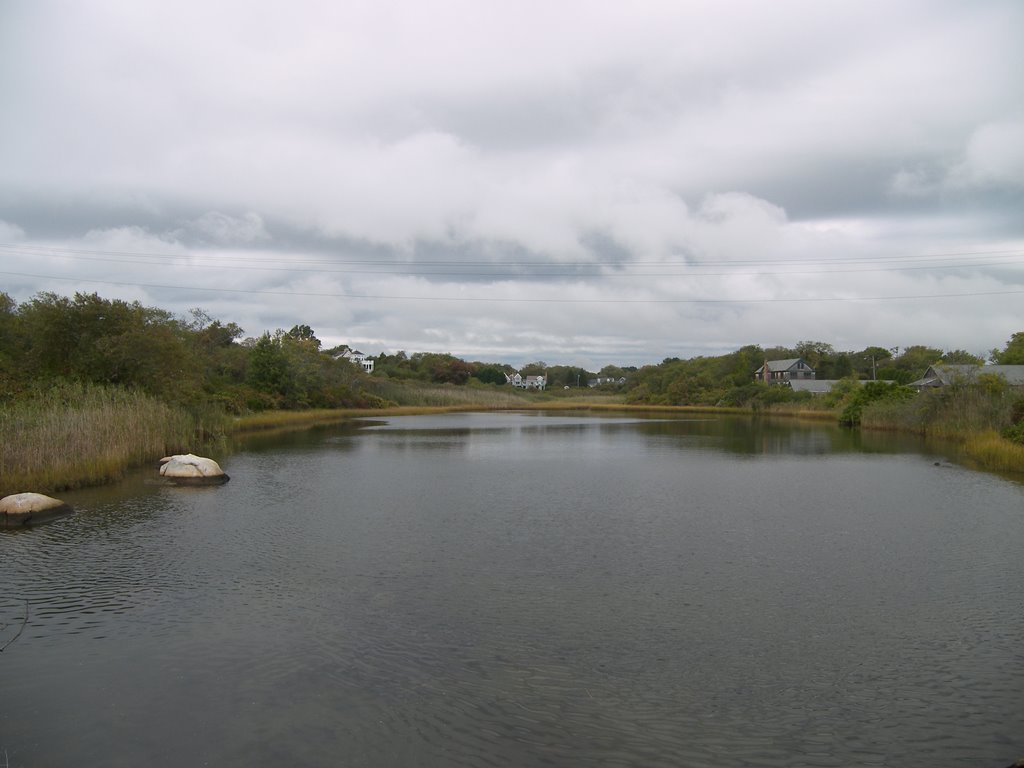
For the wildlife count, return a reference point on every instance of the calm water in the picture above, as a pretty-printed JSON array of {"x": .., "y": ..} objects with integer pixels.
[{"x": 526, "y": 590}]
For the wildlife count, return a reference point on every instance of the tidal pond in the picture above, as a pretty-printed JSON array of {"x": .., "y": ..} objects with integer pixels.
[{"x": 526, "y": 589}]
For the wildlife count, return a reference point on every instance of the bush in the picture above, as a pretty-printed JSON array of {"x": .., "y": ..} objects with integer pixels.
[{"x": 874, "y": 392}]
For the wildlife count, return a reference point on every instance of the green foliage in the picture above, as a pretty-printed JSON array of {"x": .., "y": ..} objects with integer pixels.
[
  {"x": 815, "y": 353},
  {"x": 965, "y": 407},
  {"x": 1015, "y": 431},
  {"x": 489, "y": 374},
  {"x": 913, "y": 362},
  {"x": 961, "y": 357},
  {"x": 842, "y": 392},
  {"x": 192, "y": 362},
  {"x": 1012, "y": 353},
  {"x": 571, "y": 376},
  {"x": 873, "y": 392}
]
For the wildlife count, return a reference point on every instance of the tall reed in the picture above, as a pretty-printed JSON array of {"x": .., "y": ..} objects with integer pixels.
[
  {"x": 73, "y": 435},
  {"x": 976, "y": 416},
  {"x": 447, "y": 395},
  {"x": 953, "y": 412},
  {"x": 991, "y": 450}
]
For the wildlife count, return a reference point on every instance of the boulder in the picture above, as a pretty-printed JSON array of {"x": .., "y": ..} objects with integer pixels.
[
  {"x": 192, "y": 469},
  {"x": 29, "y": 509}
]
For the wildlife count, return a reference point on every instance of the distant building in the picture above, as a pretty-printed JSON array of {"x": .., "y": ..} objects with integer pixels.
[
  {"x": 778, "y": 371},
  {"x": 939, "y": 375},
  {"x": 618, "y": 382},
  {"x": 822, "y": 386},
  {"x": 814, "y": 386},
  {"x": 355, "y": 356},
  {"x": 525, "y": 382}
]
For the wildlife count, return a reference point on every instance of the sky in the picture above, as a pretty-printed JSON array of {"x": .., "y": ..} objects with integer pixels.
[{"x": 577, "y": 182}]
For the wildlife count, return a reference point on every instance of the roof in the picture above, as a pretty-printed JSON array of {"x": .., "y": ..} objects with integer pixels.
[
  {"x": 814, "y": 386},
  {"x": 943, "y": 375},
  {"x": 776, "y": 366},
  {"x": 823, "y": 386}
]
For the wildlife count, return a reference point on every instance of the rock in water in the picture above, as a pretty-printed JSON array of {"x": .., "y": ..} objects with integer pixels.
[
  {"x": 29, "y": 509},
  {"x": 190, "y": 468}
]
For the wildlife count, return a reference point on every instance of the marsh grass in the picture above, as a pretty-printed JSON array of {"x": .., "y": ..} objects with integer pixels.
[
  {"x": 992, "y": 451},
  {"x": 74, "y": 435},
  {"x": 951, "y": 412},
  {"x": 449, "y": 395},
  {"x": 972, "y": 416}
]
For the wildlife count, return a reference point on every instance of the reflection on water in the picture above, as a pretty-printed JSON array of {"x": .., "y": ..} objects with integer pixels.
[{"x": 526, "y": 589}]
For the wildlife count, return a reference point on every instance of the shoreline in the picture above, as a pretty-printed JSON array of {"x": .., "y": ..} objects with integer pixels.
[{"x": 984, "y": 451}]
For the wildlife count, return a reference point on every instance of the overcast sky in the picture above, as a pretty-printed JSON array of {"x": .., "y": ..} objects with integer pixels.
[{"x": 579, "y": 182}]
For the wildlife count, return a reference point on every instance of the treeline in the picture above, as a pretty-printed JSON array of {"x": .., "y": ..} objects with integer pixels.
[
  {"x": 89, "y": 386},
  {"x": 190, "y": 361},
  {"x": 448, "y": 369},
  {"x": 198, "y": 359},
  {"x": 729, "y": 379}
]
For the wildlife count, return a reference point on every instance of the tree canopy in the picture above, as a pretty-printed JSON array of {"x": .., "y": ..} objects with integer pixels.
[
  {"x": 89, "y": 339},
  {"x": 1012, "y": 353}
]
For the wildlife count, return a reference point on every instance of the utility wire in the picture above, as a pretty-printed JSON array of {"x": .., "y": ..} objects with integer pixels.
[
  {"x": 603, "y": 275},
  {"x": 560, "y": 300},
  {"x": 681, "y": 262},
  {"x": 584, "y": 269}
]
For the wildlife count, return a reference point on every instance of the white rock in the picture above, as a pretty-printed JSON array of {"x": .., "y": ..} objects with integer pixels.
[
  {"x": 187, "y": 465},
  {"x": 26, "y": 508}
]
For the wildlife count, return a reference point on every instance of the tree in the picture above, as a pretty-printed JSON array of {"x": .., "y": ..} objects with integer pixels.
[
  {"x": 9, "y": 344},
  {"x": 1012, "y": 353},
  {"x": 961, "y": 357},
  {"x": 304, "y": 333},
  {"x": 842, "y": 366},
  {"x": 268, "y": 369},
  {"x": 489, "y": 374},
  {"x": 915, "y": 361},
  {"x": 813, "y": 352},
  {"x": 873, "y": 392},
  {"x": 869, "y": 361}
]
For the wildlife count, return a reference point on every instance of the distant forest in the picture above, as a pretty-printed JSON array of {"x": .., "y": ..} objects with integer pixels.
[{"x": 200, "y": 359}]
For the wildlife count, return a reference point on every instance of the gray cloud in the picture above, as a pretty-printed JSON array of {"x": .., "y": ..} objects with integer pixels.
[{"x": 574, "y": 182}]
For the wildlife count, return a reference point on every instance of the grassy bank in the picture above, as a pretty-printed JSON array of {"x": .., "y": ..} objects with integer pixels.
[
  {"x": 974, "y": 417},
  {"x": 423, "y": 395},
  {"x": 75, "y": 435}
]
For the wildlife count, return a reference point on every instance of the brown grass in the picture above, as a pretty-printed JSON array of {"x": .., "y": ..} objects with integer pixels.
[
  {"x": 74, "y": 435},
  {"x": 992, "y": 451}
]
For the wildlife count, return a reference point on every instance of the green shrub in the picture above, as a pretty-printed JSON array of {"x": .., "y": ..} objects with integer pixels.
[{"x": 874, "y": 392}]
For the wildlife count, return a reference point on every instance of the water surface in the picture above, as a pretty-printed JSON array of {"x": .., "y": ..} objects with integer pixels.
[{"x": 526, "y": 589}]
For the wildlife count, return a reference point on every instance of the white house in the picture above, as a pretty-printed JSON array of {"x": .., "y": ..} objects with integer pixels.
[
  {"x": 525, "y": 382},
  {"x": 355, "y": 356}
]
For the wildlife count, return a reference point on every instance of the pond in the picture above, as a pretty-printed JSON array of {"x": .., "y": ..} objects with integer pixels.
[{"x": 506, "y": 589}]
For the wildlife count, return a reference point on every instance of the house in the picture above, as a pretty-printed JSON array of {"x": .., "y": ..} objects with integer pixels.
[
  {"x": 600, "y": 380},
  {"x": 355, "y": 356},
  {"x": 821, "y": 386},
  {"x": 779, "y": 371},
  {"x": 814, "y": 386},
  {"x": 940, "y": 375},
  {"x": 525, "y": 382}
]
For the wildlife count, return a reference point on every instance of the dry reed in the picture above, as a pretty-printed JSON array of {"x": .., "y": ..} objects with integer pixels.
[{"x": 74, "y": 435}]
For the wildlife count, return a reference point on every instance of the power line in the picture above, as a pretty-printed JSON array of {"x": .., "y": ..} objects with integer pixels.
[
  {"x": 689, "y": 263},
  {"x": 560, "y": 300},
  {"x": 690, "y": 269}
]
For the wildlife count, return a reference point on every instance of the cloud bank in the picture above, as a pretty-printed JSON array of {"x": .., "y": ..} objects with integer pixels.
[{"x": 580, "y": 183}]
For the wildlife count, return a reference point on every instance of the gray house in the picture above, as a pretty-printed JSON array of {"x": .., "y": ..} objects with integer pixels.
[
  {"x": 779, "y": 371},
  {"x": 939, "y": 375}
]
